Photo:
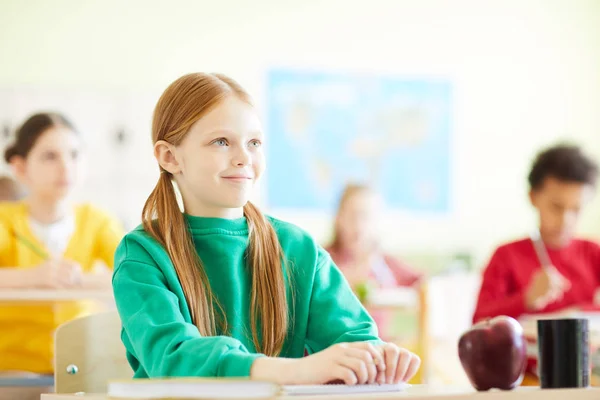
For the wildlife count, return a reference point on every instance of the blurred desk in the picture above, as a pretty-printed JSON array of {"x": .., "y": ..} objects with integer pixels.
[
  {"x": 51, "y": 295},
  {"x": 421, "y": 392}
]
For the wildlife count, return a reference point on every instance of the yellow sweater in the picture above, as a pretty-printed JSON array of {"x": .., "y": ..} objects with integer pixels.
[{"x": 27, "y": 329}]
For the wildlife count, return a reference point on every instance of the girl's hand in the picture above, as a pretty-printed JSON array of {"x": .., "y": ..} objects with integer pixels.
[
  {"x": 349, "y": 363},
  {"x": 400, "y": 364}
]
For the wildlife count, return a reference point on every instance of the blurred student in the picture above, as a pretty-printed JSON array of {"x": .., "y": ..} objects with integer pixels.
[
  {"x": 515, "y": 282},
  {"x": 356, "y": 248},
  {"x": 47, "y": 242},
  {"x": 551, "y": 270},
  {"x": 10, "y": 190}
]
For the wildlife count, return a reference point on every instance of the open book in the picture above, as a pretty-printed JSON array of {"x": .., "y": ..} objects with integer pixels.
[{"x": 228, "y": 388}]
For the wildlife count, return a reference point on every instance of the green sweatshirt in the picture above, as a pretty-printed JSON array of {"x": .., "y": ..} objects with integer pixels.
[{"x": 158, "y": 333}]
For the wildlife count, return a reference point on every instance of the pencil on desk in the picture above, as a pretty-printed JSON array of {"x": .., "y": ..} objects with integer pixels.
[{"x": 30, "y": 245}]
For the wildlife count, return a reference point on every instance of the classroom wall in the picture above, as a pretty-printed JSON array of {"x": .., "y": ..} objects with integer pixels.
[{"x": 525, "y": 74}]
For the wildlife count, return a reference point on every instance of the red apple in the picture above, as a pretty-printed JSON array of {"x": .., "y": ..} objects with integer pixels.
[{"x": 493, "y": 353}]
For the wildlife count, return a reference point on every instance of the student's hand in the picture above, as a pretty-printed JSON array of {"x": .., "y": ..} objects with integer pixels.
[
  {"x": 400, "y": 364},
  {"x": 546, "y": 286},
  {"x": 57, "y": 274},
  {"x": 349, "y": 363}
]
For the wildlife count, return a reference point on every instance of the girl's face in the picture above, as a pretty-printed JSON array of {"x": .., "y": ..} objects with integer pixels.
[
  {"x": 358, "y": 220},
  {"x": 219, "y": 161},
  {"x": 52, "y": 167}
]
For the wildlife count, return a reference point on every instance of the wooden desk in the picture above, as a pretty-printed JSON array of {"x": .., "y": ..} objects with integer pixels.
[
  {"x": 50, "y": 295},
  {"x": 421, "y": 392}
]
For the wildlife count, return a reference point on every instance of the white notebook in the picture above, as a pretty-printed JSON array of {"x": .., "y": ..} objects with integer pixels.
[{"x": 307, "y": 390}]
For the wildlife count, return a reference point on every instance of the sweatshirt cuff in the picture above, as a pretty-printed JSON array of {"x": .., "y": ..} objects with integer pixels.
[{"x": 237, "y": 363}]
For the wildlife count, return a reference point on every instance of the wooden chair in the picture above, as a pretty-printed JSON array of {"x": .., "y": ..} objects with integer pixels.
[{"x": 88, "y": 353}]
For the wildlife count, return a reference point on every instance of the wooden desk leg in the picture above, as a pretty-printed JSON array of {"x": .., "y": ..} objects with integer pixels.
[{"x": 423, "y": 323}]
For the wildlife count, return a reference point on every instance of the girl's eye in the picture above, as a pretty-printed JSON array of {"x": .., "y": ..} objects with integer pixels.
[
  {"x": 220, "y": 142},
  {"x": 255, "y": 143}
]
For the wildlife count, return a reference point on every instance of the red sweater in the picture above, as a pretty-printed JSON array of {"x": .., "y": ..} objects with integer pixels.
[{"x": 512, "y": 266}]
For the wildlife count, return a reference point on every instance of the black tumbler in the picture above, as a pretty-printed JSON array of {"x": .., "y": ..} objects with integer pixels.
[{"x": 563, "y": 353}]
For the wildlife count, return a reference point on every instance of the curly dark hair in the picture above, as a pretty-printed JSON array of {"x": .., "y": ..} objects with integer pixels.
[{"x": 565, "y": 162}]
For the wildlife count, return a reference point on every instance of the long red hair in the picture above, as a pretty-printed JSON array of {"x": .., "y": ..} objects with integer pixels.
[{"x": 183, "y": 103}]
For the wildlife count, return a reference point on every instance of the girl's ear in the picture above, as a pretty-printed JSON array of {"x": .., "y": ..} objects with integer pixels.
[
  {"x": 164, "y": 153},
  {"x": 18, "y": 166}
]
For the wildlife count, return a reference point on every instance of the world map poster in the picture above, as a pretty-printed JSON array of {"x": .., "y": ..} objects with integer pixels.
[{"x": 325, "y": 130}]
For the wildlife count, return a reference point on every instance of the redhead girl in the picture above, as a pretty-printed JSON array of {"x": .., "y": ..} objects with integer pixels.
[{"x": 212, "y": 287}]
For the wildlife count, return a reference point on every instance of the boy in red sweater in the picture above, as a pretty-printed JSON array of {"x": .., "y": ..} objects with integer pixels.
[{"x": 562, "y": 181}]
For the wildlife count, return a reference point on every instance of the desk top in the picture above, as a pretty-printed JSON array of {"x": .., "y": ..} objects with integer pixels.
[
  {"x": 392, "y": 299},
  {"x": 21, "y": 295},
  {"x": 421, "y": 392},
  {"x": 386, "y": 299}
]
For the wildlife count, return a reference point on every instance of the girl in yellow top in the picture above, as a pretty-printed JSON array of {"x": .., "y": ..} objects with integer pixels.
[{"x": 46, "y": 242}]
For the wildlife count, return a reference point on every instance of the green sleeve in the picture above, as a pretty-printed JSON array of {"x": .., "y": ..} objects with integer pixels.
[
  {"x": 157, "y": 335},
  {"x": 335, "y": 315}
]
